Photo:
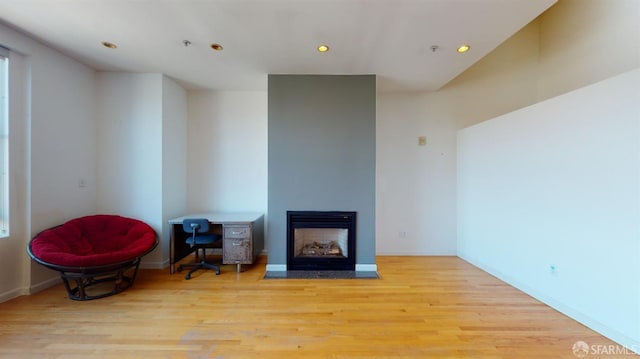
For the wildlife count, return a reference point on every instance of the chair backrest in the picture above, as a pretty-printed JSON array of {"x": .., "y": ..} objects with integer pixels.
[{"x": 195, "y": 225}]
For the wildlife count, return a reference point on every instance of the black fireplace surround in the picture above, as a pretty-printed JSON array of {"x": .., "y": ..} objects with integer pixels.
[{"x": 321, "y": 241}]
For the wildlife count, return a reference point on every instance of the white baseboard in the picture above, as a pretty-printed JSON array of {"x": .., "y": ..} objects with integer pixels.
[
  {"x": 6, "y": 296},
  {"x": 14, "y": 293},
  {"x": 276, "y": 267},
  {"x": 624, "y": 340},
  {"x": 35, "y": 288},
  {"x": 366, "y": 267}
]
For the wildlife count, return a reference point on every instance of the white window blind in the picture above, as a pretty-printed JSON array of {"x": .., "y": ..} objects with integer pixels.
[{"x": 4, "y": 142}]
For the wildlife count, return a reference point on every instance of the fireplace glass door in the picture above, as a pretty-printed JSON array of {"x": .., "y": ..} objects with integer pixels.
[{"x": 320, "y": 242}]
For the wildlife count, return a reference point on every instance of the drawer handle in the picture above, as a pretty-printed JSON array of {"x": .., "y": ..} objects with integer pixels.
[
  {"x": 236, "y": 232},
  {"x": 236, "y": 244}
]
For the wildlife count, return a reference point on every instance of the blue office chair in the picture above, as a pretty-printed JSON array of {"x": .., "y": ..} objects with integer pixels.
[{"x": 200, "y": 239}]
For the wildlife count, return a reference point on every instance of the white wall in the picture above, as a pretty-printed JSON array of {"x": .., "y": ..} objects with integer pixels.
[
  {"x": 53, "y": 149},
  {"x": 227, "y": 151},
  {"x": 63, "y": 137},
  {"x": 130, "y": 147},
  {"x": 174, "y": 158},
  {"x": 557, "y": 185},
  {"x": 415, "y": 185}
]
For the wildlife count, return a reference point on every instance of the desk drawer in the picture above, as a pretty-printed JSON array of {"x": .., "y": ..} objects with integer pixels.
[
  {"x": 237, "y": 250},
  {"x": 237, "y": 232}
]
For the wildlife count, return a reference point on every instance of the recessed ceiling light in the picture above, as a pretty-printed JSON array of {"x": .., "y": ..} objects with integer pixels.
[
  {"x": 464, "y": 48},
  {"x": 323, "y": 48},
  {"x": 216, "y": 47},
  {"x": 110, "y": 45}
]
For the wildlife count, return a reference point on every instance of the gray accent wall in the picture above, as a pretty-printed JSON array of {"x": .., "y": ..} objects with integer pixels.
[{"x": 321, "y": 154}]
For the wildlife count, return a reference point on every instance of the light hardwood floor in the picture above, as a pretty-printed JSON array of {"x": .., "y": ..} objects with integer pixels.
[{"x": 422, "y": 307}]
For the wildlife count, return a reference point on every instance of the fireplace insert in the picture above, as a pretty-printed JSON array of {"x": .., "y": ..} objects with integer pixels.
[{"x": 318, "y": 240}]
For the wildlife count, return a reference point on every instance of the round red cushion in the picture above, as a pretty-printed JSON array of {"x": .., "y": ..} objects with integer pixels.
[{"x": 94, "y": 241}]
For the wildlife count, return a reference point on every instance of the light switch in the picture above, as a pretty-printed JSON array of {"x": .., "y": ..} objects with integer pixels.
[{"x": 422, "y": 141}]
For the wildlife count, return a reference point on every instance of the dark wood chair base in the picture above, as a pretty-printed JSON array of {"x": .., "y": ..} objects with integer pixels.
[{"x": 89, "y": 285}]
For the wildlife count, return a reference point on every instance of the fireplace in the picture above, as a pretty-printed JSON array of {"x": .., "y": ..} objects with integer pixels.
[{"x": 319, "y": 241}]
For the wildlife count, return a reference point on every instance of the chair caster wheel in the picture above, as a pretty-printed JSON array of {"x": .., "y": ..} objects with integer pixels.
[
  {"x": 217, "y": 272},
  {"x": 188, "y": 276}
]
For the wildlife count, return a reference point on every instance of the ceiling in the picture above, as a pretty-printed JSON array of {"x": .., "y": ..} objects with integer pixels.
[{"x": 392, "y": 39}]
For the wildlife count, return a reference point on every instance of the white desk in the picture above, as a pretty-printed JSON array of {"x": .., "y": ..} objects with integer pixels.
[{"x": 242, "y": 237}]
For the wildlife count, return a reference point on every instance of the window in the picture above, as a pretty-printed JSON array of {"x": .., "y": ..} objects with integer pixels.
[{"x": 4, "y": 142}]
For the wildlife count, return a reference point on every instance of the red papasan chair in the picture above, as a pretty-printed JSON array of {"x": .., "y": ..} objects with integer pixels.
[{"x": 97, "y": 256}]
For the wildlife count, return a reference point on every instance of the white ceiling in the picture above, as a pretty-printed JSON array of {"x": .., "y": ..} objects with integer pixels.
[{"x": 389, "y": 38}]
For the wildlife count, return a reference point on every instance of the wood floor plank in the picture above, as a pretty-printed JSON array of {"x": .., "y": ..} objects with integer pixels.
[{"x": 422, "y": 307}]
